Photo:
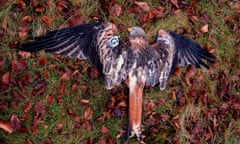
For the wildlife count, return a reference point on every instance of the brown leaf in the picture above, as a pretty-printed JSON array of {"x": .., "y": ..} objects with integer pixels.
[
  {"x": 175, "y": 3},
  {"x": 62, "y": 5},
  {"x": 28, "y": 107},
  {"x": 35, "y": 3},
  {"x": 104, "y": 129},
  {"x": 3, "y": 105},
  {"x": 22, "y": 4},
  {"x": 66, "y": 76},
  {"x": 27, "y": 19},
  {"x": 204, "y": 29},
  {"x": 6, "y": 126},
  {"x": 77, "y": 20},
  {"x": 47, "y": 20},
  {"x": 40, "y": 109},
  {"x": 50, "y": 99},
  {"x": 17, "y": 96},
  {"x": 61, "y": 88},
  {"x": 24, "y": 54},
  {"x": 116, "y": 10},
  {"x": 88, "y": 113},
  {"x": 39, "y": 9},
  {"x": 15, "y": 122},
  {"x": 143, "y": 5},
  {"x": 190, "y": 72},
  {"x": 213, "y": 39},
  {"x": 6, "y": 78},
  {"x": 39, "y": 88},
  {"x": 84, "y": 101},
  {"x": 87, "y": 125},
  {"x": 2, "y": 62},
  {"x": 19, "y": 65},
  {"x": 4, "y": 22},
  {"x": 43, "y": 61},
  {"x": 28, "y": 79}
]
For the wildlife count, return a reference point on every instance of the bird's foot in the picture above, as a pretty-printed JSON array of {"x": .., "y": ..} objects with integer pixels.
[{"x": 131, "y": 134}]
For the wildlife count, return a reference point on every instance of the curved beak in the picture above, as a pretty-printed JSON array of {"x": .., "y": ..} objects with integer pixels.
[{"x": 129, "y": 29}]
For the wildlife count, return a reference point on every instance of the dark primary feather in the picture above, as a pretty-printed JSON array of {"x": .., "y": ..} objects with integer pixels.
[
  {"x": 74, "y": 42},
  {"x": 190, "y": 52}
]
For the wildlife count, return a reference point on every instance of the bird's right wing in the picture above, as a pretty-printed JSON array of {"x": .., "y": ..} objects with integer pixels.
[{"x": 98, "y": 42}]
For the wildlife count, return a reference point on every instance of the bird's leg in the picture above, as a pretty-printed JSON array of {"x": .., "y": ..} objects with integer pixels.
[{"x": 136, "y": 85}]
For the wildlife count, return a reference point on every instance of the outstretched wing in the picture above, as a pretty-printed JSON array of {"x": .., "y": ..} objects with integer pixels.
[
  {"x": 176, "y": 50},
  {"x": 97, "y": 42}
]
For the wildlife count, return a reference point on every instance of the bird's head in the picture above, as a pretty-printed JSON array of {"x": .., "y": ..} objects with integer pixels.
[{"x": 136, "y": 32}]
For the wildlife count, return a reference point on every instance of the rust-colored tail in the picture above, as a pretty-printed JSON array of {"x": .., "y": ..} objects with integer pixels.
[{"x": 136, "y": 86}]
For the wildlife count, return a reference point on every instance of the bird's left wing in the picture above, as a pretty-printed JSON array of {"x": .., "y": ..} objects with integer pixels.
[
  {"x": 98, "y": 42},
  {"x": 172, "y": 50}
]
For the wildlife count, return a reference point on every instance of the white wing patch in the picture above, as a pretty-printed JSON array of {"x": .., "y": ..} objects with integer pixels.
[{"x": 113, "y": 41}]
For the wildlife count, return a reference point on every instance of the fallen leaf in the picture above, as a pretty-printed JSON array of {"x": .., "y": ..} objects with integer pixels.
[
  {"x": 4, "y": 22},
  {"x": 191, "y": 71},
  {"x": 116, "y": 10},
  {"x": 15, "y": 122},
  {"x": 19, "y": 65},
  {"x": 39, "y": 88},
  {"x": 28, "y": 107},
  {"x": 39, "y": 9},
  {"x": 3, "y": 105},
  {"x": 24, "y": 54},
  {"x": 66, "y": 76},
  {"x": 143, "y": 5},
  {"x": 6, "y": 126},
  {"x": 28, "y": 79},
  {"x": 77, "y": 20},
  {"x": 88, "y": 113},
  {"x": 27, "y": 19},
  {"x": 39, "y": 109},
  {"x": 50, "y": 99},
  {"x": 43, "y": 61},
  {"x": 175, "y": 3},
  {"x": 84, "y": 101},
  {"x": 47, "y": 20},
  {"x": 17, "y": 96},
  {"x": 213, "y": 39},
  {"x": 2, "y": 62},
  {"x": 6, "y": 78},
  {"x": 22, "y": 4},
  {"x": 204, "y": 28},
  {"x": 104, "y": 129}
]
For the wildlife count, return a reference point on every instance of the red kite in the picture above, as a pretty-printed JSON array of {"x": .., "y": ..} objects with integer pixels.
[{"x": 134, "y": 61}]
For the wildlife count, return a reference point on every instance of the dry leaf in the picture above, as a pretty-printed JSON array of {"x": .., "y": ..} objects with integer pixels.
[
  {"x": 104, "y": 129},
  {"x": 2, "y": 62},
  {"x": 4, "y": 22},
  {"x": 88, "y": 114},
  {"x": 6, "y": 78},
  {"x": 27, "y": 19},
  {"x": 18, "y": 65},
  {"x": 191, "y": 71},
  {"x": 6, "y": 126},
  {"x": 116, "y": 10},
  {"x": 204, "y": 28},
  {"x": 15, "y": 122},
  {"x": 175, "y": 3},
  {"x": 50, "y": 99},
  {"x": 143, "y": 5},
  {"x": 47, "y": 20},
  {"x": 24, "y": 54},
  {"x": 66, "y": 76}
]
